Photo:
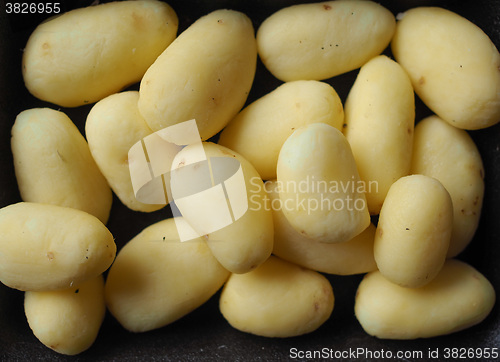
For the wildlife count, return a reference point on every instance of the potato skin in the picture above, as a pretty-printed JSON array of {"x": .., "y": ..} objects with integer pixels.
[
  {"x": 113, "y": 126},
  {"x": 68, "y": 320},
  {"x": 156, "y": 279},
  {"x": 321, "y": 40},
  {"x": 47, "y": 247},
  {"x": 261, "y": 128},
  {"x": 379, "y": 124},
  {"x": 453, "y": 65},
  {"x": 413, "y": 231},
  {"x": 352, "y": 257},
  {"x": 53, "y": 163},
  {"x": 278, "y": 299},
  {"x": 458, "y": 298},
  {"x": 248, "y": 241},
  {"x": 89, "y": 53},
  {"x": 203, "y": 78},
  {"x": 450, "y": 155},
  {"x": 331, "y": 207}
]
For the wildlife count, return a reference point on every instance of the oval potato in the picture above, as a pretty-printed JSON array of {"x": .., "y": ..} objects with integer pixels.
[
  {"x": 47, "y": 247},
  {"x": 352, "y": 257},
  {"x": 321, "y": 40},
  {"x": 458, "y": 298},
  {"x": 53, "y": 163},
  {"x": 68, "y": 320},
  {"x": 261, "y": 128},
  {"x": 450, "y": 155},
  {"x": 379, "y": 122},
  {"x": 322, "y": 195},
  {"x": 89, "y": 53},
  {"x": 453, "y": 65},
  {"x": 413, "y": 231},
  {"x": 278, "y": 299},
  {"x": 157, "y": 279},
  {"x": 113, "y": 126},
  {"x": 206, "y": 78},
  {"x": 246, "y": 241}
]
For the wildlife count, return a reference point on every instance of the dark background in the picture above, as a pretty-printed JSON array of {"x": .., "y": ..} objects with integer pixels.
[{"x": 204, "y": 334}]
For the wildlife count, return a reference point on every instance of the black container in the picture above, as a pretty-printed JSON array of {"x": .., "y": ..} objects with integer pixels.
[{"x": 204, "y": 334}]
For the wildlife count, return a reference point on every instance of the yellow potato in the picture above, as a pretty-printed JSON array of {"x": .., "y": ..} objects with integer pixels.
[
  {"x": 413, "y": 231},
  {"x": 205, "y": 74},
  {"x": 320, "y": 190},
  {"x": 53, "y": 163},
  {"x": 450, "y": 155},
  {"x": 156, "y": 279},
  {"x": 89, "y": 53},
  {"x": 352, "y": 257},
  {"x": 321, "y": 40},
  {"x": 68, "y": 320},
  {"x": 246, "y": 239},
  {"x": 47, "y": 247},
  {"x": 379, "y": 122},
  {"x": 278, "y": 299},
  {"x": 259, "y": 130},
  {"x": 458, "y": 298},
  {"x": 113, "y": 126},
  {"x": 453, "y": 65}
]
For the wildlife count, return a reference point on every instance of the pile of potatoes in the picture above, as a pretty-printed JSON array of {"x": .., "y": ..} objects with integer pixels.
[{"x": 316, "y": 171}]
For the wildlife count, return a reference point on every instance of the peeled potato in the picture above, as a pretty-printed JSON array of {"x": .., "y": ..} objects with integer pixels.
[
  {"x": 278, "y": 299},
  {"x": 54, "y": 165},
  {"x": 68, "y": 320},
  {"x": 89, "y": 53}
]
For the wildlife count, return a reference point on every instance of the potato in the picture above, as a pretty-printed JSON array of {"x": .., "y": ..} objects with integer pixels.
[
  {"x": 321, "y": 40},
  {"x": 453, "y": 65},
  {"x": 458, "y": 298},
  {"x": 319, "y": 186},
  {"x": 89, "y": 53},
  {"x": 47, "y": 247},
  {"x": 450, "y": 155},
  {"x": 278, "y": 299},
  {"x": 68, "y": 320},
  {"x": 259, "y": 130},
  {"x": 352, "y": 257},
  {"x": 237, "y": 227},
  {"x": 379, "y": 122},
  {"x": 113, "y": 126},
  {"x": 413, "y": 231},
  {"x": 156, "y": 279},
  {"x": 206, "y": 78},
  {"x": 53, "y": 163}
]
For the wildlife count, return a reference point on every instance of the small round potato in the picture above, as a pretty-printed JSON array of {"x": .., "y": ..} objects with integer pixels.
[
  {"x": 47, "y": 247},
  {"x": 205, "y": 74},
  {"x": 68, "y": 320},
  {"x": 458, "y": 298},
  {"x": 157, "y": 279},
  {"x": 453, "y": 65},
  {"x": 89, "y": 53},
  {"x": 321, "y": 40},
  {"x": 379, "y": 122},
  {"x": 352, "y": 257},
  {"x": 53, "y": 163},
  {"x": 322, "y": 195},
  {"x": 413, "y": 231},
  {"x": 278, "y": 299},
  {"x": 113, "y": 126},
  {"x": 260, "y": 129},
  {"x": 246, "y": 240},
  {"x": 450, "y": 155}
]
